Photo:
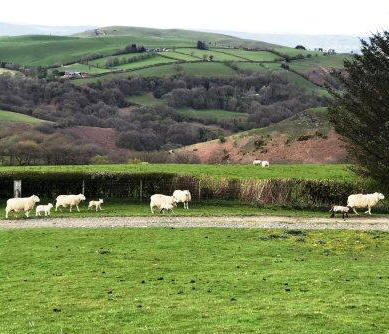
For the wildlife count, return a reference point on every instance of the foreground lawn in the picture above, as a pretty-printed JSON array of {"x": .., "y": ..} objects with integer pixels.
[
  {"x": 193, "y": 281},
  {"x": 301, "y": 171}
]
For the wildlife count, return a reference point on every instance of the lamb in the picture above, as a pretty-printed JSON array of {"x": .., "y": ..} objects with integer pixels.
[
  {"x": 43, "y": 208},
  {"x": 96, "y": 204},
  {"x": 25, "y": 204},
  {"x": 182, "y": 196},
  {"x": 69, "y": 200},
  {"x": 337, "y": 208},
  {"x": 265, "y": 163},
  {"x": 364, "y": 201},
  {"x": 257, "y": 162},
  {"x": 162, "y": 202}
]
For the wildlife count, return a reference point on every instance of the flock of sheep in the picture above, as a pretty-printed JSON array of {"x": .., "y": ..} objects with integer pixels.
[
  {"x": 166, "y": 203},
  {"x": 161, "y": 202}
]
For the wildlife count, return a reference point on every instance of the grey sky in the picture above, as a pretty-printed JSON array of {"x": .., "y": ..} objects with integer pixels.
[{"x": 300, "y": 16}]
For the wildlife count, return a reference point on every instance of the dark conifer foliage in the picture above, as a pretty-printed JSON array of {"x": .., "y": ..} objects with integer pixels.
[{"x": 361, "y": 110}]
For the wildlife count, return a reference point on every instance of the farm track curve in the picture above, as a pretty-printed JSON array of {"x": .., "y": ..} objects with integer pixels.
[{"x": 260, "y": 222}]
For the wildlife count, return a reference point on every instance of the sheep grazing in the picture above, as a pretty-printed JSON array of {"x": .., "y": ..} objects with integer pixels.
[
  {"x": 344, "y": 210},
  {"x": 21, "y": 204},
  {"x": 43, "y": 208},
  {"x": 257, "y": 162},
  {"x": 182, "y": 196},
  {"x": 265, "y": 163},
  {"x": 69, "y": 200},
  {"x": 96, "y": 204},
  {"x": 364, "y": 201},
  {"x": 162, "y": 203}
]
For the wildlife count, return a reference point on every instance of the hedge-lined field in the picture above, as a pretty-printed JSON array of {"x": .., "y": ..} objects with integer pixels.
[
  {"x": 193, "y": 281},
  {"x": 337, "y": 172}
]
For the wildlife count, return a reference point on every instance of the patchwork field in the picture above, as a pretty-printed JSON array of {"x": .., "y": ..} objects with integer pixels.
[
  {"x": 252, "y": 55},
  {"x": 338, "y": 172},
  {"x": 82, "y": 68},
  {"x": 193, "y": 281},
  {"x": 145, "y": 62},
  {"x": 219, "y": 56}
]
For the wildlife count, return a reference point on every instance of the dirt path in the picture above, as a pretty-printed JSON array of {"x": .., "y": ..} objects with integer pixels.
[{"x": 360, "y": 223}]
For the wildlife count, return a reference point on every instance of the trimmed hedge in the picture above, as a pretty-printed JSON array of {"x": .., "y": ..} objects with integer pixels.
[{"x": 294, "y": 193}]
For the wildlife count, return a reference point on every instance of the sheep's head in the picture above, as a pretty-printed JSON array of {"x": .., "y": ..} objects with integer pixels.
[
  {"x": 50, "y": 205},
  {"x": 380, "y": 196},
  {"x": 35, "y": 199},
  {"x": 101, "y": 200},
  {"x": 82, "y": 197}
]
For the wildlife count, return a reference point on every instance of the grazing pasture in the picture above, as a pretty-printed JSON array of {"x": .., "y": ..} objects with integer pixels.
[
  {"x": 82, "y": 68},
  {"x": 219, "y": 56},
  {"x": 336, "y": 172},
  {"x": 211, "y": 114},
  {"x": 251, "y": 55},
  {"x": 145, "y": 62},
  {"x": 145, "y": 100},
  {"x": 193, "y": 281},
  {"x": 19, "y": 118}
]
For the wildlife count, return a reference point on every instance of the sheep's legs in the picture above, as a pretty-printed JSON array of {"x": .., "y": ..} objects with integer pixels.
[
  {"x": 369, "y": 210},
  {"x": 355, "y": 211},
  {"x": 78, "y": 209},
  {"x": 27, "y": 213},
  {"x": 70, "y": 208}
]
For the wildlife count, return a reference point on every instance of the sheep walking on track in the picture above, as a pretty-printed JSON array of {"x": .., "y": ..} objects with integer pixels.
[
  {"x": 43, "y": 208},
  {"x": 96, "y": 204},
  {"x": 362, "y": 201},
  {"x": 257, "y": 162},
  {"x": 162, "y": 203},
  {"x": 344, "y": 210},
  {"x": 182, "y": 196},
  {"x": 265, "y": 164},
  {"x": 21, "y": 204},
  {"x": 69, "y": 200}
]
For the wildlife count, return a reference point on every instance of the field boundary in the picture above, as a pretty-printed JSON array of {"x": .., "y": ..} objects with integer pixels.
[{"x": 260, "y": 222}]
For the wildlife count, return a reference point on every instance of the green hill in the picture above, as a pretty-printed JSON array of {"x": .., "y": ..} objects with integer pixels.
[{"x": 19, "y": 118}]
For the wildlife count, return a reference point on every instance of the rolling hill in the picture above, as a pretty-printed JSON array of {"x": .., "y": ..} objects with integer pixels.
[{"x": 304, "y": 138}]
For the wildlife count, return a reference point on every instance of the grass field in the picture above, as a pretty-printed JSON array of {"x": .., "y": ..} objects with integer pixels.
[
  {"x": 252, "y": 55},
  {"x": 308, "y": 65},
  {"x": 145, "y": 100},
  {"x": 114, "y": 207},
  {"x": 179, "y": 56},
  {"x": 301, "y": 171},
  {"x": 102, "y": 61},
  {"x": 210, "y": 114},
  {"x": 145, "y": 62},
  {"x": 82, "y": 68},
  {"x": 193, "y": 281},
  {"x": 16, "y": 117},
  {"x": 219, "y": 56},
  {"x": 207, "y": 69}
]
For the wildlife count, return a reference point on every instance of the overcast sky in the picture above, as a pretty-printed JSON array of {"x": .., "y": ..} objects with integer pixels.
[{"x": 257, "y": 16}]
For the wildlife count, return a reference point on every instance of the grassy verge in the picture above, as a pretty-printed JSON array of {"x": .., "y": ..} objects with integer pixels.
[
  {"x": 193, "y": 281},
  {"x": 301, "y": 171}
]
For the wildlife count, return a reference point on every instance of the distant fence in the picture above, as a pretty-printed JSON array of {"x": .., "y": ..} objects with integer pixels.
[{"x": 140, "y": 186}]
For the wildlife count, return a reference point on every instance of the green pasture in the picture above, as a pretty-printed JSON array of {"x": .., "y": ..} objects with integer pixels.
[
  {"x": 339, "y": 172},
  {"x": 19, "y": 118},
  {"x": 171, "y": 280},
  {"x": 82, "y": 68},
  {"x": 308, "y": 65},
  {"x": 145, "y": 62},
  {"x": 102, "y": 61},
  {"x": 211, "y": 114},
  {"x": 253, "y": 55},
  {"x": 179, "y": 56},
  {"x": 217, "y": 56},
  {"x": 145, "y": 100}
]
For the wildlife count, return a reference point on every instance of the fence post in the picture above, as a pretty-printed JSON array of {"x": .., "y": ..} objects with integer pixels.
[
  {"x": 140, "y": 190},
  {"x": 83, "y": 187},
  {"x": 17, "y": 188}
]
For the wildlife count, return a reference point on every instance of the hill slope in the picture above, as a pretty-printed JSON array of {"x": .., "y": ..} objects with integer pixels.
[{"x": 303, "y": 138}]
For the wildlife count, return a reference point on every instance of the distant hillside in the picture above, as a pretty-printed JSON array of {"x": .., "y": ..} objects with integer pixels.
[
  {"x": 9, "y": 29},
  {"x": 304, "y": 138}
]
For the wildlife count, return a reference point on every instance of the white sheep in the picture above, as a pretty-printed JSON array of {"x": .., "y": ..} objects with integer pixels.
[
  {"x": 43, "y": 208},
  {"x": 162, "y": 203},
  {"x": 265, "y": 163},
  {"x": 257, "y": 162},
  {"x": 21, "y": 204},
  {"x": 69, "y": 200},
  {"x": 344, "y": 210},
  {"x": 364, "y": 201},
  {"x": 96, "y": 204},
  {"x": 182, "y": 196}
]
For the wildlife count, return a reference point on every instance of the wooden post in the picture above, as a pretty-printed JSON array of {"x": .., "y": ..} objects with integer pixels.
[
  {"x": 140, "y": 190},
  {"x": 17, "y": 188}
]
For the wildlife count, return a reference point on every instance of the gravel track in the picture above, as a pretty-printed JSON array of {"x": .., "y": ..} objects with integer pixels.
[{"x": 263, "y": 222}]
